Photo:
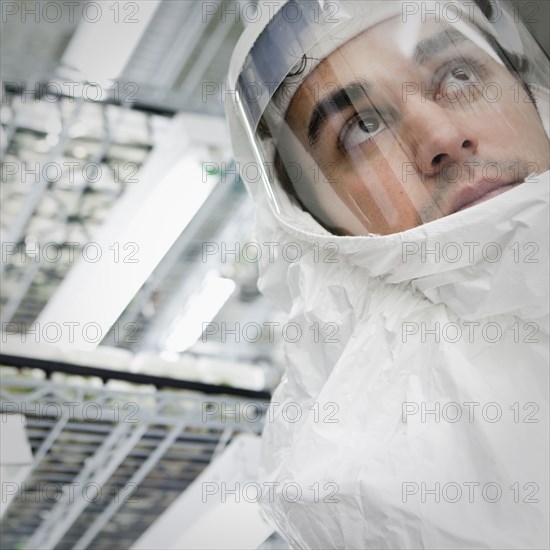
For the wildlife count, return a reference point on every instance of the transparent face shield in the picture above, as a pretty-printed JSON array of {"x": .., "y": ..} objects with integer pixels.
[{"x": 383, "y": 116}]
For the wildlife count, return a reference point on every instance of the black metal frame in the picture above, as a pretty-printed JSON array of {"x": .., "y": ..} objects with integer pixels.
[{"x": 50, "y": 367}]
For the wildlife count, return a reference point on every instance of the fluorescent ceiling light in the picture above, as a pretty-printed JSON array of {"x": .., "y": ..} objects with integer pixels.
[
  {"x": 147, "y": 220},
  {"x": 15, "y": 454},
  {"x": 201, "y": 309},
  {"x": 105, "y": 41},
  {"x": 196, "y": 520}
]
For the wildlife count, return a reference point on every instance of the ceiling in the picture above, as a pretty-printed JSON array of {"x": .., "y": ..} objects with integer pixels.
[{"x": 71, "y": 165}]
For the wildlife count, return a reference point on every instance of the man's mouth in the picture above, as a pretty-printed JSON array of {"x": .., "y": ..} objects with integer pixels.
[{"x": 481, "y": 192}]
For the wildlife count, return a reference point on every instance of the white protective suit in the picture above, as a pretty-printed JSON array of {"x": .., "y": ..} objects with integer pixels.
[{"x": 424, "y": 418}]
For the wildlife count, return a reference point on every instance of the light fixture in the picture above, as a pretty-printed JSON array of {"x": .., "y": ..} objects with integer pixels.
[
  {"x": 15, "y": 455},
  {"x": 105, "y": 41},
  {"x": 201, "y": 308}
]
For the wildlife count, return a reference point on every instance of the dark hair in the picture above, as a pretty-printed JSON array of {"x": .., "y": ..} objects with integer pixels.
[{"x": 291, "y": 82}]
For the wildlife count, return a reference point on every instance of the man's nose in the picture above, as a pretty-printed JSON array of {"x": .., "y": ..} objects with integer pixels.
[{"x": 438, "y": 136}]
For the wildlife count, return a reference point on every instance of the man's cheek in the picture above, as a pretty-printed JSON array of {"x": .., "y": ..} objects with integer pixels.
[
  {"x": 385, "y": 198},
  {"x": 519, "y": 130}
]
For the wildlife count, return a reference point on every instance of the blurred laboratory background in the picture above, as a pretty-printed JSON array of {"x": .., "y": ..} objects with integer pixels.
[
  {"x": 138, "y": 356},
  {"x": 125, "y": 231}
]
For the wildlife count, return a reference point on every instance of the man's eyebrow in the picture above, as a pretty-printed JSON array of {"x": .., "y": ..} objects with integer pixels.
[
  {"x": 430, "y": 47},
  {"x": 345, "y": 97},
  {"x": 334, "y": 103}
]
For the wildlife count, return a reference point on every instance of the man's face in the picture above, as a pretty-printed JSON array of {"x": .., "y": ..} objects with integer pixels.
[{"x": 411, "y": 129}]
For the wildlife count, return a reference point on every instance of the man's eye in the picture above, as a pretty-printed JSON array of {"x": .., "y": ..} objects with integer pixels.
[
  {"x": 461, "y": 74},
  {"x": 455, "y": 78},
  {"x": 361, "y": 128}
]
